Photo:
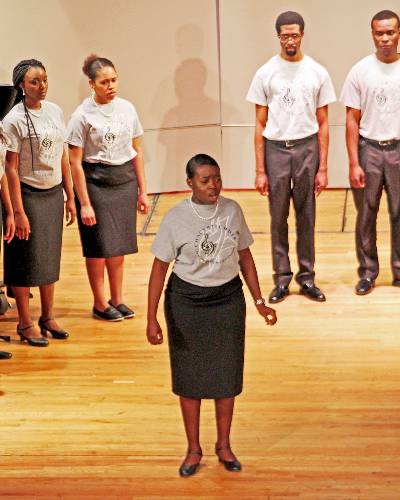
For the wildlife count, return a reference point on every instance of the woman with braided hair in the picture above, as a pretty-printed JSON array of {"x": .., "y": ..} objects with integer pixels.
[{"x": 37, "y": 170}]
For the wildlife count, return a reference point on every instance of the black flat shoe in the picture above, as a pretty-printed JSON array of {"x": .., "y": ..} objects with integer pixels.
[
  {"x": 5, "y": 355},
  {"x": 190, "y": 470},
  {"x": 126, "y": 312},
  {"x": 109, "y": 314},
  {"x": 396, "y": 282},
  {"x": 278, "y": 294},
  {"x": 312, "y": 292},
  {"x": 35, "y": 342},
  {"x": 365, "y": 286},
  {"x": 56, "y": 334},
  {"x": 230, "y": 465}
]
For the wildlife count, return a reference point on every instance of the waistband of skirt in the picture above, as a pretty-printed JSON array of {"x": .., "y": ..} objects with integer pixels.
[
  {"x": 292, "y": 143},
  {"x": 101, "y": 174},
  {"x": 27, "y": 188},
  {"x": 182, "y": 287},
  {"x": 99, "y": 164}
]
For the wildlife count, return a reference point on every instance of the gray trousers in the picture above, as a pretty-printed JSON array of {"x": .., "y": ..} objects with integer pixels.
[
  {"x": 382, "y": 171},
  {"x": 291, "y": 173}
]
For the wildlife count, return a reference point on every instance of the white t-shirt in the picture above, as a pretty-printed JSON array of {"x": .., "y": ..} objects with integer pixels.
[
  {"x": 105, "y": 131},
  {"x": 292, "y": 91},
  {"x": 205, "y": 251},
  {"x": 374, "y": 88},
  {"x": 47, "y": 146}
]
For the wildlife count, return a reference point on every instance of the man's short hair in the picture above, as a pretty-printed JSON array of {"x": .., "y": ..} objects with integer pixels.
[
  {"x": 385, "y": 14},
  {"x": 289, "y": 17}
]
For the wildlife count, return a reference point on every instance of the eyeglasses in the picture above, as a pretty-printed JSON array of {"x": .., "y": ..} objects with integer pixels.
[{"x": 285, "y": 37}]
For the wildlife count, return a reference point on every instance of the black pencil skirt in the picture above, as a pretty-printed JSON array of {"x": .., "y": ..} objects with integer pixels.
[
  {"x": 36, "y": 261},
  {"x": 206, "y": 335},
  {"x": 113, "y": 193}
]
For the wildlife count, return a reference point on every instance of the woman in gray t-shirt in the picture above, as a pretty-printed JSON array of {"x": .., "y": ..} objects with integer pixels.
[
  {"x": 208, "y": 239},
  {"x": 107, "y": 167},
  {"x": 37, "y": 170}
]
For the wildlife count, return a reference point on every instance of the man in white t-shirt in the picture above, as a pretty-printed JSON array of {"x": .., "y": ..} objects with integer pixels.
[
  {"x": 371, "y": 94},
  {"x": 291, "y": 93}
]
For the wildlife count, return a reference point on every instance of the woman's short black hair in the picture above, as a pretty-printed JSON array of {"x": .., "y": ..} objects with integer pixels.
[
  {"x": 289, "y": 17},
  {"x": 197, "y": 161}
]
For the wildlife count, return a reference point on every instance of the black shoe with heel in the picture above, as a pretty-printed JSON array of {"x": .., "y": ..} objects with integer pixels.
[
  {"x": 230, "y": 465},
  {"x": 190, "y": 470},
  {"x": 35, "y": 342},
  {"x": 56, "y": 334},
  {"x": 5, "y": 354}
]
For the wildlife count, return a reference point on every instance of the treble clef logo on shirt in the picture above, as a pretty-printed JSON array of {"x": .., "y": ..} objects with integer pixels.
[
  {"x": 287, "y": 100},
  {"x": 208, "y": 247},
  {"x": 381, "y": 98},
  {"x": 110, "y": 137}
]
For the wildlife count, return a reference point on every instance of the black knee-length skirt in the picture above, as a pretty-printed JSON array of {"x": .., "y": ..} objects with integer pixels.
[
  {"x": 206, "y": 333},
  {"x": 113, "y": 194},
  {"x": 36, "y": 261}
]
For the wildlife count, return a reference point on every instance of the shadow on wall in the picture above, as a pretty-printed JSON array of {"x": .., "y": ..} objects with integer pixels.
[
  {"x": 182, "y": 131},
  {"x": 195, "y": 109}
]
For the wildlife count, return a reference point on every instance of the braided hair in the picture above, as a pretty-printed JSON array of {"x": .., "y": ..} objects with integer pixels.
[{"x": 18, "y": 76}]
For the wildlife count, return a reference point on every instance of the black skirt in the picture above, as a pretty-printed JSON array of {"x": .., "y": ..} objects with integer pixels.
[
  {"x": 113, "y": 194},
  {"x": 36, "y": 261},
  {"x": 206, "y": 331}
]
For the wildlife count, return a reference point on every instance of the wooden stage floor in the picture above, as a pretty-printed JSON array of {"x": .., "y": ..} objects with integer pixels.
[{"x": 319, "y": 418}]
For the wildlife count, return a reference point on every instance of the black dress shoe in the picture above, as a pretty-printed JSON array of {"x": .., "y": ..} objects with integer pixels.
[
  {"x": 312, "y": 292},
  {"x": 190, "y": 470},
  {"x": 396, "y": 282},
  {"x": 365, "y": 286},
  {"x": 56, "y": 334},
  {"x": 34, "y": 342},
  {"x": 278, "y": 294},
  {"x": 124, "y": 310},
  {"x": 230, "y": 465},
  {"x": 5, "y": 355},
  {"x": 109, "y": 314}
]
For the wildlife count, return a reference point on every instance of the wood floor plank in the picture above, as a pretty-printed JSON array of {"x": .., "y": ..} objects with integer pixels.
[{"x": 319, "y": 418}]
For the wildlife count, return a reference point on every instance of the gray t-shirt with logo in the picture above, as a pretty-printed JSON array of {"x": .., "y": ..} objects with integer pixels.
[
  {"x": 105, "y": 131},
  {"x": 205, "y": 251},
  {"x": 47, "y": 144}
]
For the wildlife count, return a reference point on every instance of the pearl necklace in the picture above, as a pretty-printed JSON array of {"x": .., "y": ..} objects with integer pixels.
[
  {"x": 99, "y": 107},
  {"x": 38, "y": 114},
  {"x": 200, "y": 216}
]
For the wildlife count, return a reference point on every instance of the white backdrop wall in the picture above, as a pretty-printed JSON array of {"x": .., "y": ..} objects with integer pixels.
[{"x": 186, "y": 65}]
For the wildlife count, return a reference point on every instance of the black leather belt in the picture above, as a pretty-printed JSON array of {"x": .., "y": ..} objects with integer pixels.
[
  {"x": 390, "y": 143},
  {"x": 292, "y": 143}
]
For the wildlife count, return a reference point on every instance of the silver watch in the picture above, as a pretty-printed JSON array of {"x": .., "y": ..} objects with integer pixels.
[{"x": 258, "y": 302}]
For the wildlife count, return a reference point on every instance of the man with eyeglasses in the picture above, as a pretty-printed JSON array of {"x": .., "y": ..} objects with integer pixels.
[
  {"x": 291, "y": 93},
  {"x": 371, "y": 94}
]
